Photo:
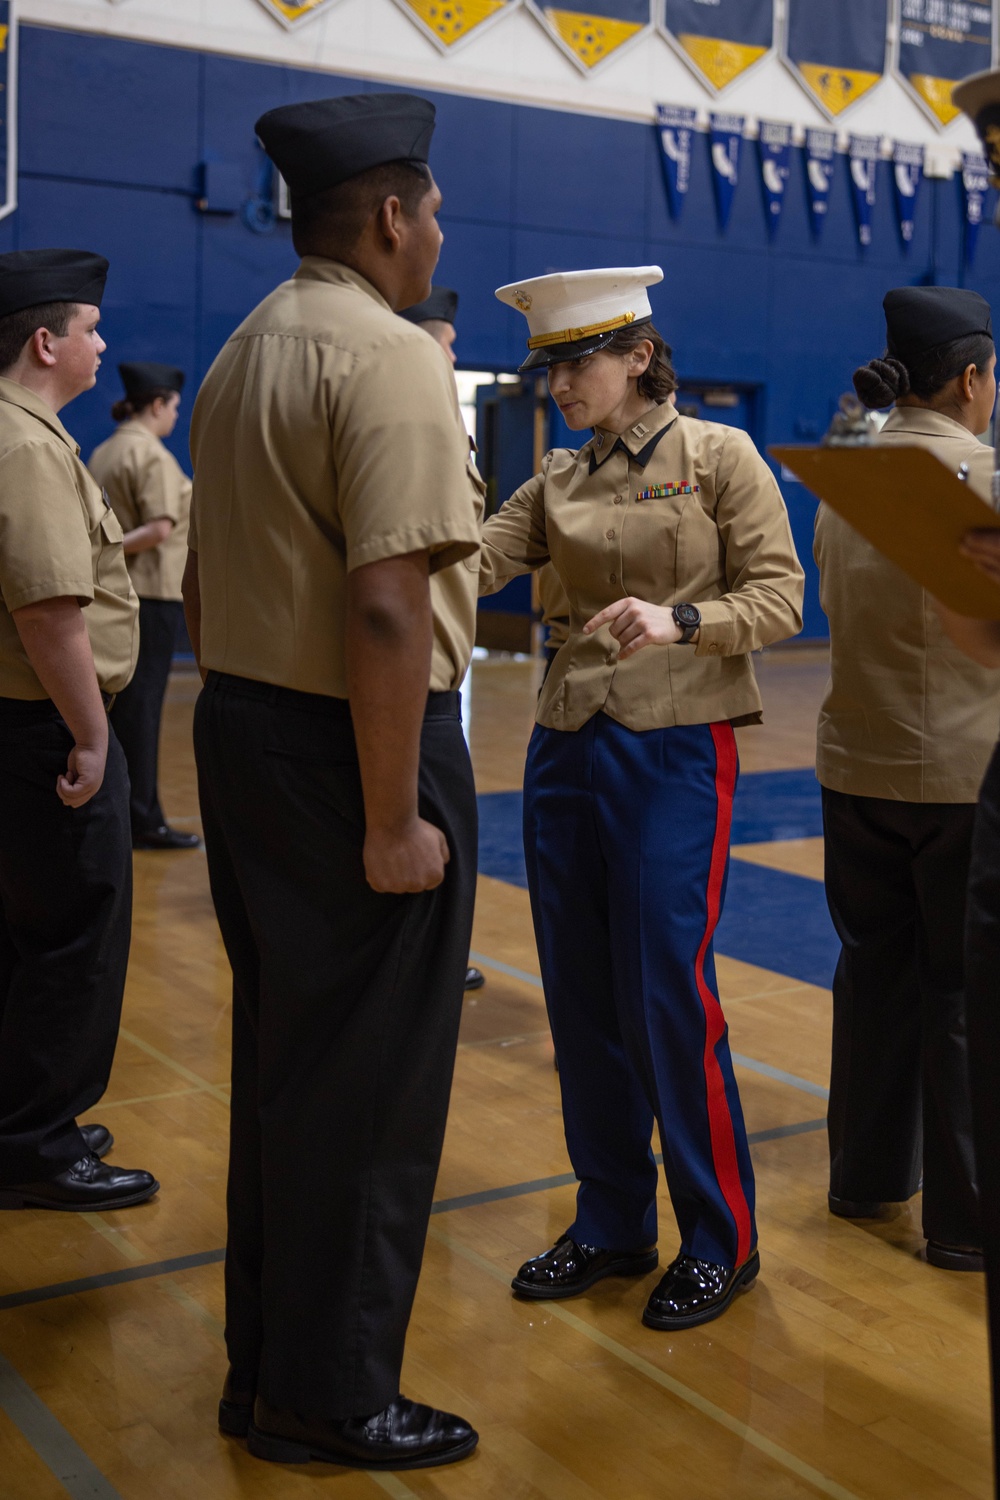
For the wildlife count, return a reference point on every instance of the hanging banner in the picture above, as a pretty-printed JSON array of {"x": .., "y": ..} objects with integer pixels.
[
  {"x": 836, "y": 49},
  {"x": 725, "y": 133},
  {"x": 975, "y": 183},
  {"x": 907, "y": 174},
  {"x": 775, "y": 145},
  {"x": 863, "y": 155},
  {"x": 939, "y": 44},
  {"x": 291, "y": 12},
  {"x": 674, "y": 131},
  {"x": 820, "y": 153},
  {"x": 722, "y": 39},
  {"x": 446, "y": 22},
  {"x": 8, "y": 108},
  {"x": 593, "y": 35}
]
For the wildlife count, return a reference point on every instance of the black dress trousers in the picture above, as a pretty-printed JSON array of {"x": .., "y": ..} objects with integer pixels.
[
  {"x": 896, "y": 878},
  {"x": 139, "y": 707},
  {"x": 346, "y": 1007},
  {"x": 65, "y": 926},
  {"x": 982, "y": 957}
]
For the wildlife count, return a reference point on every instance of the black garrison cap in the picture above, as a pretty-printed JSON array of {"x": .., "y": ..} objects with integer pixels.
[
  {"x": 919, "y": 318},
  {"x": 320, "y": 144},
  {"x": 30, "y": 277},
  {"x": 442, "y": 304},
  {"x": 142, "y": 379}
]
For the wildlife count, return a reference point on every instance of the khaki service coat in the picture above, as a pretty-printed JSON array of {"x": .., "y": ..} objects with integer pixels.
[
  {"x": 906, "y": 715},
  {"x": 144, "y": 482},
  {"x": 726, "y": 546},
  {"x": 59, "y": 538},
  {"x": 327, "y": 435}
]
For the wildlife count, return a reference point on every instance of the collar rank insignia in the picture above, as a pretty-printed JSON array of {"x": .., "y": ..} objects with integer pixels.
[{"x": 666, "y": 491}]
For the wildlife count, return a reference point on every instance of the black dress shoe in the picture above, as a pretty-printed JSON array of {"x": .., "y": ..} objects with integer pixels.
[
  {"x": 696, "y": 1291},
  {"x": 82, "y": 1188},
  {"x": 236, "y": 1405},
  {"x": 954, "y": 1257},
  {"x": 403, "y": 1436},
  {"x": 474, "y": 978},
  {"x": 856, "y": 1208},
  {"x": 99, "y": 1139},
  {"x": 570, "y": 1268},
  {"x": 165, "y": 838}
]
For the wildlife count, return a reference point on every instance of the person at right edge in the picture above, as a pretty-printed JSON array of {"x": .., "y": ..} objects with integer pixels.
[
  {"x": 905, "y": 735},
  {"x": 330, "y": 593}
]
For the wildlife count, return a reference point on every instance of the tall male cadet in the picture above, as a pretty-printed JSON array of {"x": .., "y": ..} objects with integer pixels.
[
  {"x": 68, "y": 643},
  {"x": 331, "y": 599}
]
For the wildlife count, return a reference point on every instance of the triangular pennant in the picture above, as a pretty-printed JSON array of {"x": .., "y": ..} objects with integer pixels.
[
  {"x": 837, "y": 88},
  {"x": 675, "y": 129},
  {"x": 725, "y": 133},
  {"x": 936, "y": 94},
  {"x": 449, "y": 21},
  {"x": 863, "y": 157},
  {"x": 290, "y": 12},
  {"x": 592, "y": 36},
  {"x": 720, "y": 61},
  {"x": 821, "y": 146},
  {"x": 907, "y": 174}
]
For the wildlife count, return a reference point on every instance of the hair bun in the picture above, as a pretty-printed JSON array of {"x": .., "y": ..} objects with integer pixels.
[{"x": 881, "y": 382}]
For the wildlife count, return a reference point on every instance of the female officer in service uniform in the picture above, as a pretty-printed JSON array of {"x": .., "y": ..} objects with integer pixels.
[
  {"x": 151, "y": 496},
  {"x": 673, "y": 544},
  {"x": 905, "y": 735}
]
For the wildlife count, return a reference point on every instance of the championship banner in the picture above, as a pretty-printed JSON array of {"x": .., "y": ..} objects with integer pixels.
[
  {"x": 836, "y": 49},
  {"x": 720, "y": 39},
  {"x": 725, "y": 133},
  {"x": 8, "y": 107},
  {"x": 775, "y": 145},
  {"x": 590, "y": 36},
  {"x": 863, "y": 156},
  {"x": 290, "y": 12},
  {"x": 675, "y": 131},
  {"x": 820, "y": 154},
  {"x": 940, "y": 44},
  {"x": 975, "y": 183},
  {"x": 446, "y": 22},
  {"x": 907, "y": 174}
]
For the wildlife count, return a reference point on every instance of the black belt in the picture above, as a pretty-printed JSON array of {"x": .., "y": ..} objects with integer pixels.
[{"x": 339, "y": 709}]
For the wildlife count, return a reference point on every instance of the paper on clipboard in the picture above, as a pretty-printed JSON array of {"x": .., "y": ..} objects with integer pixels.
[{"x": 913, "y": 508}]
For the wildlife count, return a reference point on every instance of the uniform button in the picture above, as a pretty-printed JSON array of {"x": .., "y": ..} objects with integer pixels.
[
  {"x": 610, "y": 535},
  {"x": 618, "y": 499},
  {"x": 613, "y": 577},
  {"x": 610, "y": 659}
]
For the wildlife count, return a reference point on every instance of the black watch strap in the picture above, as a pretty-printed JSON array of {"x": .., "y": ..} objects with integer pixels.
[{"x": 688, "y": 618}]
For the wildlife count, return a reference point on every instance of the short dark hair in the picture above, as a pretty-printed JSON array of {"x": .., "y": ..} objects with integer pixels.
[
  {"x": 331, "y": 222},
  {"x": 882, "y": 381},
  {"x": 18, "y": 327},
  {"x": 131, "y": 406},
  {"x": 659, "y": 379}
]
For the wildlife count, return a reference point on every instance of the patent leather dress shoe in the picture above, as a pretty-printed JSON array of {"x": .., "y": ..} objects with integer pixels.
[
  {"x": 405, "y": 1435},
  {"x": 696, "y": 1291},
  {"x": 474, "y": 978},
  {"x": 165, "y": 838},
  {"x": 99, "y": 1139},
  {"x": 570, "y": 1268},
  {"x": 856, "y": 1208},
  {"x": 236, "y": 1405},
  {"x": 954, "y": 1257},
  {"x": 82, "y": 1188}
]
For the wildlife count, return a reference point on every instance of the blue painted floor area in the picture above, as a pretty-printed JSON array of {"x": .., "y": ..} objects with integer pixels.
[{"x": 775, "y": 920}]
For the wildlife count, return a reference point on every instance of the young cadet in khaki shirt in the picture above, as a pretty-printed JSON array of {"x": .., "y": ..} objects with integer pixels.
[
  {"x": 151, "y": 496},
  {"x": 905, "y": 735},
  {"x": 331, "y": 599},
  {"x": 68, "y": 639},
  {"x": 672, "y": 542}
]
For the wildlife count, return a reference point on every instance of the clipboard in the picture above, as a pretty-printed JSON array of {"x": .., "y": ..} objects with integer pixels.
[{"x": 911, "y": 507}]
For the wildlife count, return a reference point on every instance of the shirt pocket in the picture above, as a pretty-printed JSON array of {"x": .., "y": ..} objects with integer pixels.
[{"x": 110, "y": 570}]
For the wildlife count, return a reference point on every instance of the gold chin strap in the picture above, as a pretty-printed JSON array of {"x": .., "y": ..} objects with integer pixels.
[{"x": 574, "y": 335}]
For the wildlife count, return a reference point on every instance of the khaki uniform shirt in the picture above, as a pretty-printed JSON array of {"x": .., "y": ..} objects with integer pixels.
[
  {"x": 58, "y": 538},
  {"x": 555, "y": 607},
  {"x": 327, "y": 435},
  {"x": 906, "y": 716},
  {"x": 144, "y": 482},
  {"x": 725, "y": 547}
]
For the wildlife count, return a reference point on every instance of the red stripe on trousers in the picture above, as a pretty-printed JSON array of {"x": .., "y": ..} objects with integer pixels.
[{"x": 720, "y": 1122}]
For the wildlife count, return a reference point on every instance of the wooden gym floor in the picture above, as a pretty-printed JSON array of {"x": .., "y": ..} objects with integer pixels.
[{"x": 853, "y": 1369}]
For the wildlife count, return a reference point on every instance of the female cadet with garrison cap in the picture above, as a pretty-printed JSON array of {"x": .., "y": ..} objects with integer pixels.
[
  {"x": 673, "y": 544},
  {"x": 905, "y": 735}
]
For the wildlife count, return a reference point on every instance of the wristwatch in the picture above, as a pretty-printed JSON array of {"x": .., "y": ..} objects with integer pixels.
[{"x": 688, "y": 617}]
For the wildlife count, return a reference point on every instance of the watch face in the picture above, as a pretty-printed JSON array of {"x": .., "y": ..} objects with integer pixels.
[{"x": 686, "y": 614}]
